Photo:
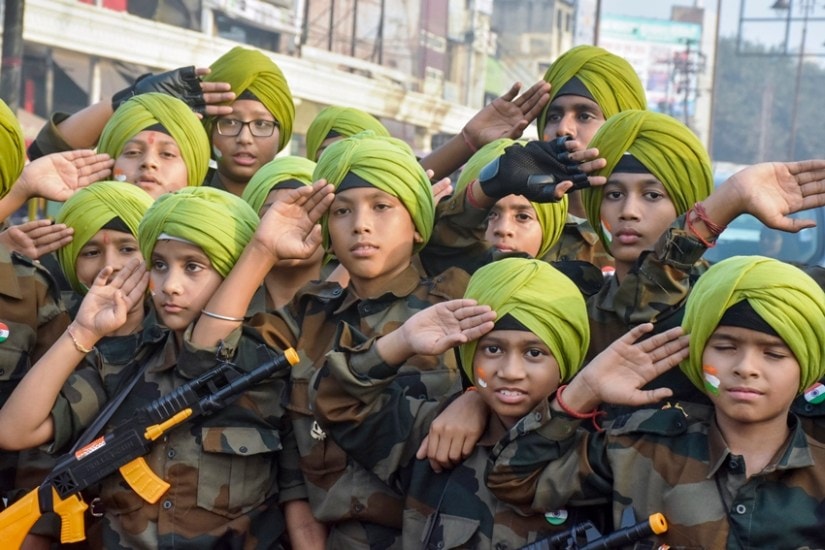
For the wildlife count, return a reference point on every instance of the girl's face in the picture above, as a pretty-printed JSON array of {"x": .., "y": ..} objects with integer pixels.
[
  {"x": 512, "y": 226},
  {"x": 635, "y": 211},
  {"x": 152, "y": 161},
  {"x": 106, "y": 247},
  {"x": 181, "y": 280},
  {"x": 514, "y": 370},
  {"x": 372, "y": 235}
]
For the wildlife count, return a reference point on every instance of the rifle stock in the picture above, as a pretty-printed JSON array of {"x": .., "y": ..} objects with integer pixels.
[{"x": 123, "y": 450}]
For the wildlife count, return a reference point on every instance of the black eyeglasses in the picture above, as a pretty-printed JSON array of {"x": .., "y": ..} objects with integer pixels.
[{"x": 258, "y": 128}]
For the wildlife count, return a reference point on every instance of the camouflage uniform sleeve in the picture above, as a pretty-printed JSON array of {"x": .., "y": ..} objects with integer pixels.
[
  {"x": 457, "y": 238},
  {"x": 79, "y": 402},
  {"x": 369, "y": 416},
  {"x": 662, "y": 278},
  {"x": 49, "y": 139}
]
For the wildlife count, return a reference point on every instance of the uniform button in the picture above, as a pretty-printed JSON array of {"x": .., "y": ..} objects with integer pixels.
[
  {"x": 501, "y": 546},
  {"x": 2, "y": 372},
  {"x": 358, "y": 508},
  {"x": 243, "y": 449},
  {"x": 336, "y": 292},
  {"x": 167, "y": 504},
  {"x": 733, "y": 464},
  {"x": 439, "y": 545},
  {"x": 537, "y": 416},
  {"x": 808, "y": 406},
  {"x": 171, "y": 453},
  {"x": 741, "y": 509}
]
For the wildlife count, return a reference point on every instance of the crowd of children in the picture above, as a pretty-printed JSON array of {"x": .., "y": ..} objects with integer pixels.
[{"x": 480, "y": 365}]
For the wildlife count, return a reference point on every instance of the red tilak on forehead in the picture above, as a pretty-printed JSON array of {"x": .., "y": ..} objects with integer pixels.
[
  {"x": 105, "y": 237},
  {"x": 150, "y": 139}
]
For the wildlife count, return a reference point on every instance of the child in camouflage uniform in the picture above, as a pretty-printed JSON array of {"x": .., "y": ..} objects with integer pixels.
[
  {"x": 518, "y": 342},
  {"x": 743, "y": 474},
  {"x": 229, "y": 472}
]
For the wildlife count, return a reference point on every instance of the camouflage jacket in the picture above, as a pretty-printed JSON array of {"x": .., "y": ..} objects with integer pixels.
[
  {"x": 579, "y": 242},
  {"x": 663, "y": 461},
  {"x": 32, "y": 318},
  {"x": 228, "y": 471},
  {"x": 378, "y": 424},
  {"x": 361, "y": 510}
]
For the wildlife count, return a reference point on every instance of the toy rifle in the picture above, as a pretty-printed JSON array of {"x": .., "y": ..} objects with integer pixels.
[
  {"x": 123, "y": 449},
  {"x": 628, "y": 533}
]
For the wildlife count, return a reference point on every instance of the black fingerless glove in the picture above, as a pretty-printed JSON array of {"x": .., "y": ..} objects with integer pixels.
[
  {"x": 532, "y": 170},
  {"x": 182, "y": 83}
]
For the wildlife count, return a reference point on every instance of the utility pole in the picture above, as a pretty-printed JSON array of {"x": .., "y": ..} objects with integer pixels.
[{"x": 12, "y": 61}]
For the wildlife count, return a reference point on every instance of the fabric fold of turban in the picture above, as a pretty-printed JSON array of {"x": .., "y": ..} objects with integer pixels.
[
  {"x": 346, "y": 121},
  {"x": 250, "y": 70},
  {"x": 672, "y": 153},
  {"x": 274, "y": 172},
  {"x": 610, "y": 79},
  {"x": 388, "y": 164},
  {"x": 542, "y": 299},
  {"x": 218, "y": 222},
  {"x": 12, "y": 149},
  {"x": 785, "y": 297},
  {"x": 145, "y": 110},
  {"x": 92, "y": 207}
]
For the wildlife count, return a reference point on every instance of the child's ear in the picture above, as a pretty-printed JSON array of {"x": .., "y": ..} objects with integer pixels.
[{"x": 417, "y": 238}]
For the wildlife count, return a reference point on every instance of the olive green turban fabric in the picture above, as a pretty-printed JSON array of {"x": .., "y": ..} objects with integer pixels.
[
  {"x": 346, "y": 121},
  {"x": 218, "y": 222},
  {"x": 672, "y": 153},
  {"x": 610, "y": 79},
  {"x": 183, "y": 125},
  {"x": 539, "y": 297},
  {"x": 390, "y": 165},
  {"x": 274, "y": 172},
  {"x": 250, "y": 70},
  {"x": 92, "y": 207},
  {"x": 550, "y": 215},
  {"x": 12, "y": 149},
  {"x": 785, "y": 297}
]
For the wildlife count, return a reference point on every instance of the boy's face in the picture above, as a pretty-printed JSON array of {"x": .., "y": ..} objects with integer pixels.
[
  {"x": 512, "y": 226},
  {"x": 755, "y": 376},
  {"x": 242, "y": 155},
  {"x": 372, "y": 235},
  {"x": 152, "y": 161},
  {"x": 514, "y": 370},
  {"x": 182, "y": 280},
  {"x": 636, "y": 210},
  {"x": 316, "y": 257},
  {"x": 575, "y": 116},
  {"x": 106, "y": 247}
]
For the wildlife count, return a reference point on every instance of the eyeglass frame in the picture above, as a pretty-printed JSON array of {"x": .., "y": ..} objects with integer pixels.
[{"x": 246, "y": 123}]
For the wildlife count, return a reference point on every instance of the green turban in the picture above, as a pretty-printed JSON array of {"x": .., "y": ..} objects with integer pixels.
[
  {"x": 274, "y": 172},
  {"x": 218, "y": 222},
  {"x": 246, "y": 69},
  {"x": 390, "y": 165},
  {"x": 610, "y": 79},
  {"x": 665, "y": 146},
  {"x": 539, "y": 297},
  {"x": 92, "y": 207},
  {"x": 785, "y": 297},
  {"x": 346, "y": 121},
  {"x": 145, "y": 110},
  {"x": 12, "y": 149},
  {"x": 551, "y": 215}
]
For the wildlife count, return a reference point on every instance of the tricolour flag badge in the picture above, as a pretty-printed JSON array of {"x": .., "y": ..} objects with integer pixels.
[
  {"x": 815, "y": 394},
  {"x": 556, "y": 517},
  {"x": 4, "y": 332}
]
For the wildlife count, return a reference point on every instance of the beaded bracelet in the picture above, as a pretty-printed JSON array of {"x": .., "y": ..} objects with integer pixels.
[
  {"x": 593, "y": 416},
  {"x": 77, "y": 345}
]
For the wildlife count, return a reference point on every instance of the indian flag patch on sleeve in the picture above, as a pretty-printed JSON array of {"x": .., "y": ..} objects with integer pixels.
[
  {"x": 815, "y": 394},
  {"x": 4, "y": 332},
  {"x": 556, "y": 517}
]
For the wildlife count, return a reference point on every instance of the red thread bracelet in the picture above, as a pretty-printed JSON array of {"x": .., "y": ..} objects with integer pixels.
[
  {"x": 712, "y": 226},
  {"x": 593, "y": 416},
  {"x": 705, "y": 242},
  {"x": 467, "y": 142}
]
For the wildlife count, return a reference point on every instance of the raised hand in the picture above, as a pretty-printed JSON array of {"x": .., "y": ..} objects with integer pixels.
[
  {"x": 57, "y": 176},
  {"x": 289, "y": 229},
  {"x": 105, "y": 307},
  {"x": 215, "y": 95},
  {"x": 36, "y": 238},
  {"x": 507, "y": 116},
  {"x": 454, "y": 433},
  {"x": 618, "y": 373}
]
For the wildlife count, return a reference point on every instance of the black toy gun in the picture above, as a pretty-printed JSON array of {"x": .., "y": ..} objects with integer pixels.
[
  {"x": 585, "y": 536},
  {"x": 123, "y": 449}
]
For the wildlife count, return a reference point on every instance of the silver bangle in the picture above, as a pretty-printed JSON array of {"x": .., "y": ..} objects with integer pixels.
[{"x": 223, "y": 317}]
